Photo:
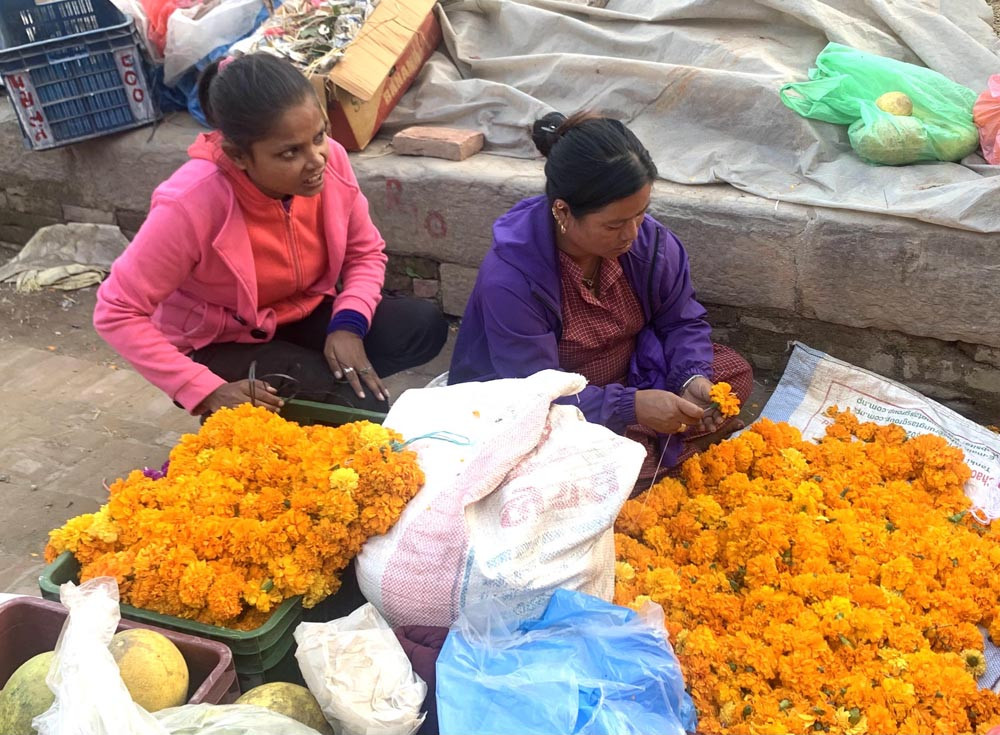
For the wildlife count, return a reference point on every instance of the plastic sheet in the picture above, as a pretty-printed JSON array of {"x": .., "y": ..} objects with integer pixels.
[
  {"x": 698, "y": 80},
  {"x": 986, "y": 114},
  {"x": 585, "y": 666},
  {"x": 228, "y": 719},
  {"x": 845, "y": 85},
  {"x": 91, "y": 698}
]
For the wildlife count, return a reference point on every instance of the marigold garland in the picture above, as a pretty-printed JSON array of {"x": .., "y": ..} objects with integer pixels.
[
  {"x": 830, "y": 586},
  {"x": 722, "y": 396},
  {"x": 253, "y": 509}
]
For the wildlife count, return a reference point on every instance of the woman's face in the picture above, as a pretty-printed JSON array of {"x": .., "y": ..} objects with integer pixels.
[
  {"x": 291, "y": 160},
  {"x": 607, "y": 233}
]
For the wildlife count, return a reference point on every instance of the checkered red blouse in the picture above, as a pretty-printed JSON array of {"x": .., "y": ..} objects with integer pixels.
[
  {"x": 599, "y": 331},
  {"x": 600, "y": 327}
]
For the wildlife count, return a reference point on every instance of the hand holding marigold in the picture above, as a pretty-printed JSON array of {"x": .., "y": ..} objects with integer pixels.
[{"x": 724, "y": 399}]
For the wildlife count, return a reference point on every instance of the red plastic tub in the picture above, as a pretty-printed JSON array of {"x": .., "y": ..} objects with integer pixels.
[{"x": 30, "y": 625}]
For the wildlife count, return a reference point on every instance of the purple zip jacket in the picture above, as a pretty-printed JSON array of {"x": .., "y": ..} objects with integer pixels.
[{"x": 513, "y": 321}]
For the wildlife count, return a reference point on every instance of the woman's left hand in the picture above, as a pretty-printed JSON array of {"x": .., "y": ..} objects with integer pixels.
[
  {"x": 697, "y": 392},
  {"x": 345, "y": 353}
]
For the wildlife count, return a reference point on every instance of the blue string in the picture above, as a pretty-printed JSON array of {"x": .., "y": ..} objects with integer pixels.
[{"x": 444, "y": 436}]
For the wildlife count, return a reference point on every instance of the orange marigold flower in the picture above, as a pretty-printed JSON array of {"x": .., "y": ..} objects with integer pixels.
[
  {"x": 253, "y": 510},
  {"x": 834, "y": 586},
  {"x": 722, "y": 396}
]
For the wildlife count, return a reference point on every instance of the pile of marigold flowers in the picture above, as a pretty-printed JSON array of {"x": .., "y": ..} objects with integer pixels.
[
  {"x": 832, "y": 586},
  {"x": 252, "y": 510}
]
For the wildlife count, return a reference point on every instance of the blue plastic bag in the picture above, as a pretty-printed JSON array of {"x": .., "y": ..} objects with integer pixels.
[{"x": 586, "y": 666}]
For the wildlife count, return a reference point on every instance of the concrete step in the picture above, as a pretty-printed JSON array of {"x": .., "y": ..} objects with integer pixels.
[{"x": 913, "y": 301}]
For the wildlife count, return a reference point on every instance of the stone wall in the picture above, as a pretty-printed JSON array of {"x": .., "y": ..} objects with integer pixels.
[{"x": 912, "y": 301}]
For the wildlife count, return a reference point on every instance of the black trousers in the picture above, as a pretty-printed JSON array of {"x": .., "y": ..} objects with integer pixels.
[{"x": 405, "y": 332}]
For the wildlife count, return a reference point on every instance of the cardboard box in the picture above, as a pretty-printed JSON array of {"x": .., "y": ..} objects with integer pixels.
[{"x": 377, "y": 68}]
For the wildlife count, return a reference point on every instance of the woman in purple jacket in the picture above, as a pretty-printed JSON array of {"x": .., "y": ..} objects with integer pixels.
[{"x": 583, "y": 280}]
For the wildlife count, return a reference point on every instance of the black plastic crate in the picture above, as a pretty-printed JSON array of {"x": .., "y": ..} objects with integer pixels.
[{"x": 73, "y": 70}]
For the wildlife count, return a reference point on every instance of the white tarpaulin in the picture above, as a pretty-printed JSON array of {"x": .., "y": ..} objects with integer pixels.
[{"x": 698, "y": 81}]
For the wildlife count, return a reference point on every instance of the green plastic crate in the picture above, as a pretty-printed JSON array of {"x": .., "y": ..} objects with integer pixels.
[
  {"x": 260, "y": 655},
  {"x": 310, "y": 412}
]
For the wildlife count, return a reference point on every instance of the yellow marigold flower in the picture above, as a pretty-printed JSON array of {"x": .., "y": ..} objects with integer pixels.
[
  {"x": 624, "y": 571},
  {"x": 974, "y": 661},
  {"x": 728, "y": 402}
]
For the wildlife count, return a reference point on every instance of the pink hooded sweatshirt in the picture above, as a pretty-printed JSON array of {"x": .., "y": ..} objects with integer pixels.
[{"x": 188, "y": 278}]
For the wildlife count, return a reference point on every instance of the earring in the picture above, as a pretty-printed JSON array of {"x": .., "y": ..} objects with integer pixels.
[{"x": 555, "y": 216}]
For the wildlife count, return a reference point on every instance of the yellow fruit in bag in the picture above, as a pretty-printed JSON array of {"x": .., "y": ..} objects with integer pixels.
[
  {"x": 154, "y": 671},
  {"x": 891, "y": 140},
  {"x": 290, "y": 700},
  {"x": 895, "y": 103},
  {"x": 26, "y": 695}
]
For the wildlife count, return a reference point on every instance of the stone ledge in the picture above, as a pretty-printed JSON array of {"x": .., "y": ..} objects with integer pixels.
[{"x": 835, "y": 266}]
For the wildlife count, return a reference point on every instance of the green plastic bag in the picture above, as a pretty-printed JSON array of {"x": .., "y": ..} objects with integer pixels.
[{"x": 844, "y": 86}]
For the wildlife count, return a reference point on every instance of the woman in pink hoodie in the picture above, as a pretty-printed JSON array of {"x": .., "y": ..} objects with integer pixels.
[{"x": 260, "y": 250}]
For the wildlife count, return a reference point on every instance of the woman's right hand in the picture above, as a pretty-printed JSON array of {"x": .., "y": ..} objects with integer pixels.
[
  {"x": 237, "y": 393},
  {"x": 665, "y": 412}
]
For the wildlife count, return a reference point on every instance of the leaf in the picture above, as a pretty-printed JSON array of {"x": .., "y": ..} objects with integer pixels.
[
  {"x": 784, "y": 704},
  {"x": 854, "y": 715},
  {"x": 412, "y": 273},
  {"x": 846, "y": 641}
]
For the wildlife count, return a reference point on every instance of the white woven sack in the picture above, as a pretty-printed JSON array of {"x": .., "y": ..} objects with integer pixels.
[{"x": 527, "y": 507}]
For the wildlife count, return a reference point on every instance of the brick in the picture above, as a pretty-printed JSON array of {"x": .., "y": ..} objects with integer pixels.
[
  {"x": 984, "y": 380},
  {"x": 451, "y": 144},
  {"x": 73, "y": 213},
  {"x": 881, "y": 363},
  {"x": 20, "y": 199},
  {"x": 8, "y": 250},
  {"x": 129, "y": 221},
  {"x": 397, "y": 282},
  {"x": 18, "y": 228},
  {"x": 456, "y": 285},
  {"x": 413, "y": 266},
  {"x": 426, "y": 288}
]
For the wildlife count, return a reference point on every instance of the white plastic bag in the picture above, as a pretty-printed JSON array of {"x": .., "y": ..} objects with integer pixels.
[
  {"x": 360, "y": 675},
  {"x": 229, "y": 719},
  {"x": 525, "y": 508},
  {"x": 91, "y": 698},
  {"x": 191, "y": 35}
]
